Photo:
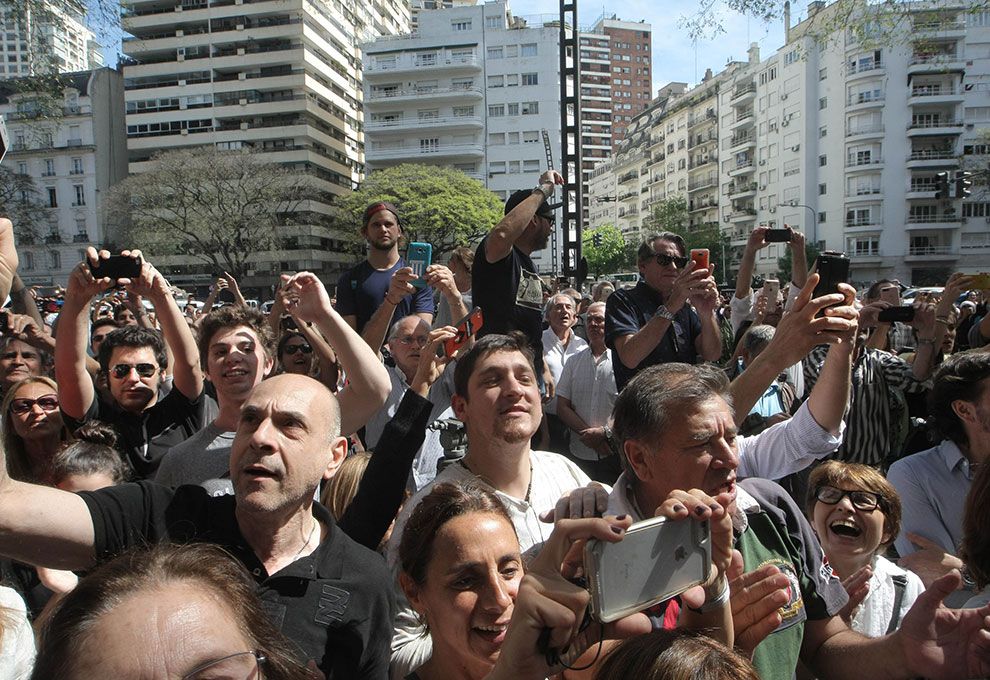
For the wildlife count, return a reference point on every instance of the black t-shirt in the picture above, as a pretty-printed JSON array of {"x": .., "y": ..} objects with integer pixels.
[
  {"x": 510, "y": 294},
  {"x": 629, "y": 309},
  {"x": 146, "y": 437},
  {"x": 334, "y": 604}
]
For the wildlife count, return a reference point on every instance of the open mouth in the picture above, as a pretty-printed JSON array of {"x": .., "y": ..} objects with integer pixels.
[
  {"x": 845, "y": 527},
  {"x": 235, "y": 373},
  {"x": 259, "y": 472},
  {"x": 494, "y": 634}
]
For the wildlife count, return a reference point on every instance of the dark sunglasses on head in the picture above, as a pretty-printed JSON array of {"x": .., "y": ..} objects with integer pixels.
[
  {"x": 143, "y": 370},
  {"x": 664, "y": 260},
  {"x": 47, "y": 402},
  {"x": 867, "y": 501},
  {"x": 295, "y": 349}
]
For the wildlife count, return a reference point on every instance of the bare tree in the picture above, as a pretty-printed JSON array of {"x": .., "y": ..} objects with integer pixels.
[
  {"x": 20, "y": 202},
  {"x": 217, "y": 206}
]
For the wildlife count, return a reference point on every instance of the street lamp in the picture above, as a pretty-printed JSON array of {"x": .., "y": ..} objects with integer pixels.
[{"x": 814, "y": 217}]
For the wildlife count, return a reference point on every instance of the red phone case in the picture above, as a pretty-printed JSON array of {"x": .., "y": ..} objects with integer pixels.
[{"x": 466, "y": 327}]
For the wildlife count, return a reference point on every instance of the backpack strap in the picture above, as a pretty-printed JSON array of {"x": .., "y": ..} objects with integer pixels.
[{"x": 900, "y": 585}]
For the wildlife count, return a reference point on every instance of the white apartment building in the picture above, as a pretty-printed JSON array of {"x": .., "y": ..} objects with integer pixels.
[
  {"x": 46, "y": 37},
  {"x": 843, "y": 140},
  {"x": 73, "y": 159},
  {"x": 473, "y": 90},
  {"x": 282, "y": 77}
]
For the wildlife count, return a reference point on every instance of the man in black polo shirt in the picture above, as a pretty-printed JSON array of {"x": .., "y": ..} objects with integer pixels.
[
  {"x": 323, "y": 590},
  {"x": 132, "y": 359},
  {"x": 668, "y": 316},
  {"x": 504, "y": 281}
]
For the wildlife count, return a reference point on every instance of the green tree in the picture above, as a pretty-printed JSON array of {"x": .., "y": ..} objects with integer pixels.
[
  {"x": 220, "y": 207},
  {"x": 784, "y": 263},
  {"x": 437, "y": 205},
  {"x": 608, "y": 256},
  {"x": 670, "y": 214}
]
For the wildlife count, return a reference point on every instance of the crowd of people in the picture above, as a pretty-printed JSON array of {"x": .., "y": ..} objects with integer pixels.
[{"x": 356, "y": 485}]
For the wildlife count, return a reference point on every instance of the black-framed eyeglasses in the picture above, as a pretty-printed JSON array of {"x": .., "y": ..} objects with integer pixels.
[
  {"x": 295, "y": 349},
  {"x": 239, "y": 666},
  {"x": 867, "y": 501},
  {"x": 47, "y": 402},
  {"x": 121, "y": 371},
  {"x": 665, "y": 260}
]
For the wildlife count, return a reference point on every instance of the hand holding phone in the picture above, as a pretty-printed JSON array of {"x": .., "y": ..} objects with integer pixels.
[
  {"x": 904, "y": 314},
  {"x": 778, "y": 235},
  {"x": 466, "y": 328},
  {"x": 700, "y": 258},
  {"x": 419, "y": 256},
  {"x": 981, "y": 281},
  {"x": 116, "y": 267}
]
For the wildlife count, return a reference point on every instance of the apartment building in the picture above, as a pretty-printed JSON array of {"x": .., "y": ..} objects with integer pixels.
[
  {"x": 631, "y": 65},
  {"x": 45, "y": 37},
  {"x": 473, "y": 90},
  {"x": 281, "y": 77},
  {"x": 73, "y": 158},
  {"x": 844, "y": 139}
]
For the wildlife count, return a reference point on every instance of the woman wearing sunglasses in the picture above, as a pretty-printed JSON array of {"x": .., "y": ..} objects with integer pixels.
[
  {"x": 303, "y": 351},
  {"x": 856, "y": 513},
  {"x": 32, "y": 429}
]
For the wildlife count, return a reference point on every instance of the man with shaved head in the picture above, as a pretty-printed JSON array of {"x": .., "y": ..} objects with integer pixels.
[{"x": 320, "y": 587}]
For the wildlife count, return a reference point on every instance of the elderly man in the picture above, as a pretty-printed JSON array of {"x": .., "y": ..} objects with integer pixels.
[
  {"x": 668, "y": 316},
  {"x": 560, "y": 343},
  {"x": 321, "y": 588}
]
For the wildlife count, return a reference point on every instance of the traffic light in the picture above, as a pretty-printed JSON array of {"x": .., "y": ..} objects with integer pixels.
[
  {"x": 942, "y": 185},
  {"x": 596, "y": 239},
  {"x": 963, "y": 184}
]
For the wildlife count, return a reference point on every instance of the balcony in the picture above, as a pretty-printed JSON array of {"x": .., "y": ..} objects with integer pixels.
[
  {"x": 935, "y": 94},
  {"x": 932, "y": 158},
  {"x": 921, "y": 190},
  {"x": 628, "y": 176},
  {"x": 742, "y": 168},
  {"x": 408, "y": 124},
  {"x": 741, "y": 190},
  {"x": 698, "y": 140},
  {"x": 952, "y": 28},
  {"x": 626, "y": 196},
  {"x": 437, "y": 94},
  {"x": 865, "y": 100},
  {"x": 868, "y": 163},
  {"x": 865, "y": 131},
  {"x": 408, "y": 63},
  {"x": 701, "y": 162},
  {"x": 864, "y": 68},
  {"x": 936, "y": 63},
  {"x": 934, "y": 221},
  {"x": 938, "y": 127},
  {"x": 741, "y": 141},
  {"x": 53, "y": 238},
  {"x": 702, "y": 183},
  {"x": 864, "y": 193},
  {"x": 695, "y": 206},
  {"x": 860, "y": 224},
  {"x": 743, "y": 93},
  {"x": 742, "y": 119},
  {"x": 865, "y": 256},
  {"x": 742, "y": 215},
  {"x": 81, "y": 237},
  {"x": 938, "y": 253},
  {"x": 423, "y": 153},
  {"x": 698, "y": 120}
]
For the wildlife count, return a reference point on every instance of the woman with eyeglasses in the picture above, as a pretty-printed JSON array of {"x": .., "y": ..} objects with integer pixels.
[
  {"x": 856, "y": 513},
  {"x": 304, "y": 351},
  {"x": 176, "y": 611},
  {"x": 32, "y": 429}
]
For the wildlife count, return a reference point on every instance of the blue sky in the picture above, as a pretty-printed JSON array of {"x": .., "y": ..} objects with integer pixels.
[{"x": 675, "y": 58}]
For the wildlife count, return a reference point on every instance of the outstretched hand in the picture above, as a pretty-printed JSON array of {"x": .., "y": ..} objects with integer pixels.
[{"x": 304, "y": 296}]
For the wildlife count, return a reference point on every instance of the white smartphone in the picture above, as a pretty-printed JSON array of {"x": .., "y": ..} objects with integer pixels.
[
  {"x": 771, "y": 290},
  {"x": 4, "y": 141},
  {"x": 655, "y": 560}
]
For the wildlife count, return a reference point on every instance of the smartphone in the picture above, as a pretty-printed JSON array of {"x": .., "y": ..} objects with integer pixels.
[
  {"x": 117, "y": 267},
  {"x": 4, "y": 141},
  {"x": 655, "y": 560},
  {"x": 700, "y": 258},
  {"x": 903, "y": 313},
  {"x": 771, "y": 291},
  {"x": 288, "y": 323},
  {"x": 778, "y": 236},
  {"x": 833, "y": 269},
  {"x": 419, "y": 257},
  {"x": 981, "y": 281},
  {"x": 466, "y": 328}
]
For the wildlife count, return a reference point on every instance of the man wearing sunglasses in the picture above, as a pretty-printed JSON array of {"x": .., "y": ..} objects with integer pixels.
[
  {"x": 133, "y": 360},
  {"x": 668, "y": 316}
]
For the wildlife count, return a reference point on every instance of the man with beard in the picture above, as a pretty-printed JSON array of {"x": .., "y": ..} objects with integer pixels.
[
  {"x": 504, "y": 280},
  {"x": 133, "y": 359},
  {"x": 365, "y": 289}
]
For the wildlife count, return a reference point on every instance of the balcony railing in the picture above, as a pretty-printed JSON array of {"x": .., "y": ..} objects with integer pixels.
[
  {"x": 863, "y": 222},
  {"x": 928, "y": 155},
  {"x": 934, "y": 59},
  {"x": 423, "y": 92},
  {"x": 741, "y": 188},
  {"x": 865, "y": 98},
  {"x": 932, "y": 218},
  {"x": 863, "y": 67},
  {"x": 933, "y": 90},
  {"x": 743, "y": 164},
  {"x": 867, "y": 130},
  {"x": 743, "y": 91},
  {"x": 930, "y": 250},
  {"x": 928, "y": 124},
  {"x": 858, "y": 162}
]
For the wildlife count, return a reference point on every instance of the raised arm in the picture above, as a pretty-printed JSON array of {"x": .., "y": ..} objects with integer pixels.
[
  {"x": 8, "y": 257},
  {"x": 799, "y": 259},
  {"x": 744, "y": 277},
  {"x": 377, "y": 327},
  {"x": 325, "y": 355},
  {"x": 442, "y": 279},
  {"x": 22, "y": 301},
  {"x": 75, "y": 387},
  {"x": 368, "y": 383},
  {"x": 504, "y": 235},
  {"x": 187, "y": 373}
]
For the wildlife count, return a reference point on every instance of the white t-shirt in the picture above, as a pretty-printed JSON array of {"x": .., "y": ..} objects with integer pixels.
[{"x": 17, "y": 644}]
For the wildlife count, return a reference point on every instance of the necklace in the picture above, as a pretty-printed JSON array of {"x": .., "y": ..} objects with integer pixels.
[
  {"x": 304, "y": 545},
  {"x": 529, "y": 487}
]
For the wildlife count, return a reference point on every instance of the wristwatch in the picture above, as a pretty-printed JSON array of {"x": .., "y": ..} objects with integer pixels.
[
  {"x": 663, "y": 313},
  {"x": 547, "y": 193}
]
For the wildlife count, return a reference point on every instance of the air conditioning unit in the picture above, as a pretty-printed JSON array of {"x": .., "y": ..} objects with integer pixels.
[
  {"x": 763, "y": 187},
  {"x": 773, "y": 209}
]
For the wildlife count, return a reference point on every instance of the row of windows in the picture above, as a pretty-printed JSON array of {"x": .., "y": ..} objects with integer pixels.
[
  {"x": 514, "y": 79},
  {"x": 523, "y": 108},
  {"x": 49, "y": 167},
  {"x": 508, "y": 51},
  {"x": 502, "y": 138},
  {"x": 513, "y": 167},
  {"x": 78, "y": 191}
]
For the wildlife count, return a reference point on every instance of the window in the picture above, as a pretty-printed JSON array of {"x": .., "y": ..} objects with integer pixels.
[
  {"x": 531, "y": 167},
  {"x": 822, "y": 160},
  {"x": 512, "y": 80},
  {"x": 28, "y": 260},
  {"x": 530, "y": 136},
  {"x": 22, "y": 168},
  {"x": 77, "y": 166},
  {"x": 80, "y": 194},
  {"x": 822, "y": 189},
  {"x": 512, "y": 50},
  {"x": 496, "y": 110},
  {"x": 496, "y": 81},
  {"x": 81, "y": 229},
  {"x": 463, "y": 111},
  {"x": 863, "y": 245},
  {"x": 496, "y": 139},
  {"x": 52, "y": 198},
  {"x": 513, "y": 110},
  {"x": 429, "y": 145},
  {"x": 822, "y": 132},
  {"x": 493, "y": 22},
  {"x": 496, "y": 168},
  {"x": 530, "y": 108},
  {"x": 494, "y": 52},
  {"x": 790, "y": 57},
  {"x": 49, "y": 168},
  {"x": 822, "y": 73},
  {"x": 530, "y": 79},
  {"x": 822, "y": 103},
  {"x": 527, "y": 50},
  {"x": 462, "y": 24},
  {"x": 428, "y": 114},
  {"x": 54, "y": 259}
]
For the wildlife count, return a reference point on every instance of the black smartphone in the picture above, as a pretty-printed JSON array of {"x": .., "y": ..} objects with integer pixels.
[
  {"x": 904, "y": 314},
  {"x": 289, "y": 324},
  {"x": 117, "y": 267},
  {"x": 778, "y": 236},
  {"x": 833, "y": 269},
  {"x": 4, "y": 323}
]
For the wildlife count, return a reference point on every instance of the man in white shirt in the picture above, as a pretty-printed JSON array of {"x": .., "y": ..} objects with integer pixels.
[{"x": 560, "y": 343}]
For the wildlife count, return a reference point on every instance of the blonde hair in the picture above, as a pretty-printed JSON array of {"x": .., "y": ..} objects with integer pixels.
[
  {"x": 339, "y": 493},
  {"x": 18, "y": 465}
]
